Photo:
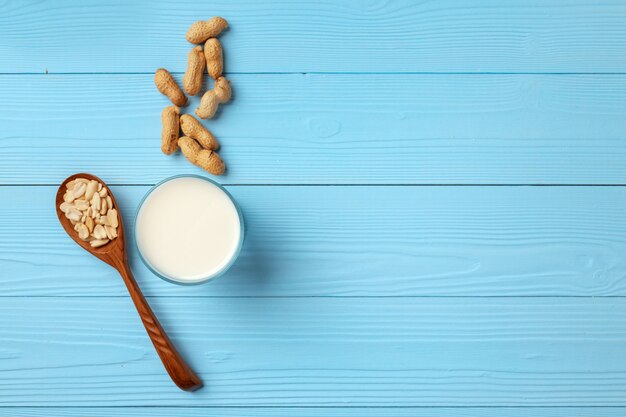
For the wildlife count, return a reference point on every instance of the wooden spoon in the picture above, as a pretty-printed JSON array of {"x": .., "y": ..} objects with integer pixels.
[{"x": 114, "y": 254}]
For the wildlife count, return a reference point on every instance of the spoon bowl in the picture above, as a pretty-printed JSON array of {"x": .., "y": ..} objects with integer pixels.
[
  {"x": 114, "y": 254},
  {"x": 109, "y": 253}
]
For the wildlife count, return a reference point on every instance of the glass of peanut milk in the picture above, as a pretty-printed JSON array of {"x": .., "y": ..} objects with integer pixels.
[{"x": 188, "y": 229}]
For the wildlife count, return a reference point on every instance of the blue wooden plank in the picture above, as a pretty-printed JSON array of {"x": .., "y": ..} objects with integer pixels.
[
  {"x": 316, "y": 412},
  {"x": 356, "y": 241},
  {"x": 428, "y": 129},
  {"x": 273, "y": 35},
  {"x": 59, "y": 351}
]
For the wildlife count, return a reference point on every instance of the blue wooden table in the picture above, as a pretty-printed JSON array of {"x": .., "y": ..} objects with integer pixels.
[{"x": 435, "y": 194}]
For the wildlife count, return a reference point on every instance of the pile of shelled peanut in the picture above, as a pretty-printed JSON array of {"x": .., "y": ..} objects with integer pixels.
[{"x": 89, "y": 207}]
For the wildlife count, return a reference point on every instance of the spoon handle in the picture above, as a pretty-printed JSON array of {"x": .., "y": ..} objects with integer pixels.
[{"x": 176, "y": 367}]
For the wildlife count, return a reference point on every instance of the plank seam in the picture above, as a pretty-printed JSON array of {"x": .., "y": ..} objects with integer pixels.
[
  {"x": 313, "y": 407},
  {"x": 333, "y": 73},
  {"x": 554, "y": 297},
  {"x": 343, "y": 185}
]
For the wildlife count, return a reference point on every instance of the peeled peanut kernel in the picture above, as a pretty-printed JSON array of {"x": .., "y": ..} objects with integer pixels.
[
  {"x": 89, "y": 223},
  {"x": 68, "y": 197},
  {"x": 112, "y": 217},
  {"x": 99, "y": 242},
  {"x": 83, "y": 231},
  {"x": 65, "y": 206},
  {"x": 73, "y": 214},
  {"x": 81, "y": 204},
  {"x": 79, "y": 190},
  {"x": 99, "y": 232},
  {"x": 111, "y": 232},
  {"x": 95, "y": 202},
  {"x": 92, "y": 187}
]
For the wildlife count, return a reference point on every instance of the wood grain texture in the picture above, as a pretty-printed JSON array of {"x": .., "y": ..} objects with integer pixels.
[
  {"x": 352, "y": 36},
  {"x": 315, "y": 412},
  {"x": 347, "y": 300},
  {"x": 318, "y": 352},
  {"x": 326, "y": 129},
  {"x": 355, "y": 241}
]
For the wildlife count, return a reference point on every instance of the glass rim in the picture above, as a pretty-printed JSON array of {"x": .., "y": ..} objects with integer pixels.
[{"x": 212, "y": 276}]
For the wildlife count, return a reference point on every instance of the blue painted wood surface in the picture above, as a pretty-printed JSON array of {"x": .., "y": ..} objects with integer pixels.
[
  {"x": 434, "y": 192},
  {"x": 357, "y": 241},
  {"x": 319, "y": 351},
  {"x": 322, "y": 36},
  {"x": 317, "y": 412},
  {"x": 328, "y": 129}
]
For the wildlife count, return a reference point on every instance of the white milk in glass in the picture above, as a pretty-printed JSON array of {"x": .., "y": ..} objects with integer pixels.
[{"x": 188, "y": 229}]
